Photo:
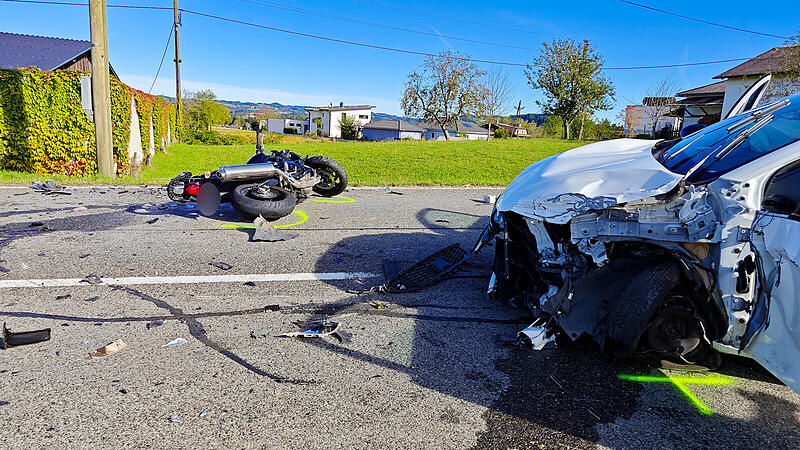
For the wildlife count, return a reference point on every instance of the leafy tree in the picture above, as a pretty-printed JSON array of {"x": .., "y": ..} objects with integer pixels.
[
  {"x": 501, "y": 133},
  {"x": 447, "y": 87},
  {"x": 201, "y": 110},
  {"x": 570, "y": 76},
  {"x": 350, "y": 127}
]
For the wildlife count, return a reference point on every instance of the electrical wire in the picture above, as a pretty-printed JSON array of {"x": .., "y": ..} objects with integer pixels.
[
  {"x": 743, "y": 30},
  {"x": 379, "y": 25},
  {"x": 364, "y": 44},
  {"x": 169, "y": 39}
]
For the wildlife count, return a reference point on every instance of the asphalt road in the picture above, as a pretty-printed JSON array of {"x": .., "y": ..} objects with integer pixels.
[{"x": 423, "y": 370}]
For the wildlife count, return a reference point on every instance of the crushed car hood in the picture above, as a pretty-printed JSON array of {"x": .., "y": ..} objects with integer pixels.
[{"x": 593, "y": 176}]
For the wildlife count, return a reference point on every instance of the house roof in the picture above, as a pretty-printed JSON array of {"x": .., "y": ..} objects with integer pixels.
[
  {"x": 397, "y": 125},
  {"x": 713, "y": 90},
  {"x": 469, "y": 127},
  {"x": 658, "y": 101},
  {"x": 340, "y": 108},
  {"x": 776, "y": 60},
  {"x": 46, "y": 53}
]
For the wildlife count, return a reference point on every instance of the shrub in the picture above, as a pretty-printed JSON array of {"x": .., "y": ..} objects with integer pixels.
[
  {"x": 290, "y": 130},
  {"x": 211, "y": 137},
  {"x": 501, "y": 133}
]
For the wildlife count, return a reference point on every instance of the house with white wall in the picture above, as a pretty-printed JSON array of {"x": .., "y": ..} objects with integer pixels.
[
  {"x": 278, "y": 125},
  {"x": 462, "y": 130},
  {"x": 782, "y": 62},
  {"x": 701, "y": 105},
  {"x": 329, "y": 117},
  {"x": 639, "y": 118}
]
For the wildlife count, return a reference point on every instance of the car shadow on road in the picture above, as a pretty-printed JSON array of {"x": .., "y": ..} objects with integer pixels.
[{"x": 560, "y": 397}]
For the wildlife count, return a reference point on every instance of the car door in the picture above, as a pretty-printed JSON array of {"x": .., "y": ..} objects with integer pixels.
[{"x": 774, "y": 332}]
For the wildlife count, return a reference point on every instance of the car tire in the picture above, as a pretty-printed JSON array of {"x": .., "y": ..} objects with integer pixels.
[
  {"x": 281, "y": 204},
  {"x": 334, "y": 178},
  {"x": 634, "y": 309}
]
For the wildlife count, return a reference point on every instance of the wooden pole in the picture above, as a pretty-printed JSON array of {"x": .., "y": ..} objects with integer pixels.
[
  {"x": 178, "y": 65},
  {"x": 101, "y": 89}
]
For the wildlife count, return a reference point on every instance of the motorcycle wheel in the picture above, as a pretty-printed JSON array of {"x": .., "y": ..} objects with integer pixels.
[
  {"x": 334, "y": 178},
  {"x": 270, "y": 202}
]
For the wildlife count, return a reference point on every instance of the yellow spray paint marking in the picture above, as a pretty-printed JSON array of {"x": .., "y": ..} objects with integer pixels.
[
  {"x": 303, "y": 218},
  {"x": 341, "y": 199},
  {"x": 680, "y": 382}
]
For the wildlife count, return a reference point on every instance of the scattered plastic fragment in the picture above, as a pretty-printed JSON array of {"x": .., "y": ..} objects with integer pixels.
[
  {"x": 155, "y": 323},
  {"x": 490, "y": 199},
  {"x": 176, "y": 419},
  {"x": 109, "y": 349},
  {"x": 10, "y": 339},
  {"x": 84, "y": 255},
  {"x": 255, "y": 334},
  {"x": 221, "y": 265},
  {"x": 49, "y": 188},
  {"x": 81, "y": 209},
  {"x": 152, "y": 221},
  {"x": 265, "y": 232},
  {"x": 537, "y": 335},
  {"x": 321, "y": 328},
  {"x": 92, "y": 279},
  {"x": 203, "y": 413},
  {"x": 37, "y": 224},
  {"x": 93, "y": 299},
  {"x": 395, "y": 193},
  {"x": 4, "y": 270},
  {"x": 175, "y": 342},
  {"x": 250, "y": 283},
  {"x": 63, "y": 297}
]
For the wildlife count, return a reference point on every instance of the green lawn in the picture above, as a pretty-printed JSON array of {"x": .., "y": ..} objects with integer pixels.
[{"x": 401, "y": 163}]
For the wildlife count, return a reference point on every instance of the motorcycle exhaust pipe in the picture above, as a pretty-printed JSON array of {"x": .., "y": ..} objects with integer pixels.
[{"x": 246, "y": 171}]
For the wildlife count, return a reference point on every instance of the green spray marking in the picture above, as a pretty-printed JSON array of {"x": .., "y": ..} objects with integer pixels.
[
  {"x": 303, "y": 218},
  {"x": 337, "y": 199},
  {"x": 680, "y": 382}
]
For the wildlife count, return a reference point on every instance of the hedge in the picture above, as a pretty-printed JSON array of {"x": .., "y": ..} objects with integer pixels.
[{"x": 44, "y": 130}]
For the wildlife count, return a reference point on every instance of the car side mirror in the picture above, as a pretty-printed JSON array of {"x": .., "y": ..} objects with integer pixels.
[{"x": 689, "y": 129}]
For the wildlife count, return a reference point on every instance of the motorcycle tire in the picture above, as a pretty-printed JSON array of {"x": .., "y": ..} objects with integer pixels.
[
  {"x": 334, "y": 178},
  {"x": 280, "y": 205}
]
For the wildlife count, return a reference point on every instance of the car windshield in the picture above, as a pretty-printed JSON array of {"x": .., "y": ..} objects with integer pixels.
[{"x": 768, "y": 134}]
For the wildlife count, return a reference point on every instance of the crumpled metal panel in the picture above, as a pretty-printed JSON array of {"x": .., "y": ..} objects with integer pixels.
[{"x": 590, "y": 177}]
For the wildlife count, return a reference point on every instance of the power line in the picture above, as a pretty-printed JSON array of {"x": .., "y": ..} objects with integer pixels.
[
  {"x": 379, "y": 25},
  {"x": 743, "y": 30},
  {"x": 169, "y": 38},
  {"x": 373, "y": 46}
]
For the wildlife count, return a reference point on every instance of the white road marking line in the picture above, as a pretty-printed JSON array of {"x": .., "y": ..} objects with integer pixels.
[{"x": 190, "y": 279}]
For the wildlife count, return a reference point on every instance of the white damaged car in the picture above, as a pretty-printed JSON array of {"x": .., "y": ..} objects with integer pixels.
[{"x": 673, "y": 250}]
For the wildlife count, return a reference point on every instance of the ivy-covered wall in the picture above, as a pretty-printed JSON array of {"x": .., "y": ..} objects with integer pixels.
[{"x": 44, "y": 130}]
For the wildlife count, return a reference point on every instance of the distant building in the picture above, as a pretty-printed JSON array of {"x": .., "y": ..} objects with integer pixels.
[
  {"x": 513, "y": 130},
  {"x": 329, "y": 117},
  {"x": 278, "y": 125},
  {"x": 471, "y": 130},
  {"x": 390, "y": 130},
  {"x": 700, "y": 105},
  {"x": 639, "y": 118},
  {"x": 45, "y": 53}
]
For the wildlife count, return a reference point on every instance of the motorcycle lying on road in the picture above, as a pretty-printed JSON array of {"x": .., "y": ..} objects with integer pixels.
[{"x": 268, "y": 185}]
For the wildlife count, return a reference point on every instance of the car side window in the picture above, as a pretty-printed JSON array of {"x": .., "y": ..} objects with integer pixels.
[{"x": 782, "y": 194}]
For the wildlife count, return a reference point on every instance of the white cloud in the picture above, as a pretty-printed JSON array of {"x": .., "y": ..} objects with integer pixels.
[{"x": 166, "y": 86}]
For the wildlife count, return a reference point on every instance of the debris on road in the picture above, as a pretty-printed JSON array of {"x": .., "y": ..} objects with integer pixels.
[
  {"x": 63, "y": 297},
  {"x": 490, "y": 199},
  {"x": 10, "y": 339},
  {"x": 537, "y": 335},
  {"x": 109, "y": 349},
  {"x": 4, "y": 270},
  {"x": 255, "y": 334},
  {"x": 155, "y": 323},
  {"x": 203, "y": 413},
  {"x": 152, "y": 221},
  {"x": 37, "y": 224},
  {"x": 175, "y": 342},
  {"x": 322, "y": 328},
  {"x": 426, "y": 272},
  {"x": 49, "y": 188},
  {"x": 264, "y": 232},
  {"x": 92, "y": 279},
  {"x": 221, "y": 265},
  {"x": 81, "y": 209},
  {"x": 250, "y": 283},
  {"x": 176, "y": 419},
  {"x": 93, "y": 299},
  {"x": 84, "y": 255}
]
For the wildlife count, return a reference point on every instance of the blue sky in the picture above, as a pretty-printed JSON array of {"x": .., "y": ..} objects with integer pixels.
[{"x": 251, "y": 64}]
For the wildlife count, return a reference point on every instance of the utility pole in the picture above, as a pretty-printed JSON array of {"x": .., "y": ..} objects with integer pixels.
[
  {"x": 101, "y": 89},
  {"x": 178, "y": 64}
]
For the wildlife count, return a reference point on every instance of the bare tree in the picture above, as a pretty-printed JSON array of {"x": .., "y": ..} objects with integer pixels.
[
  {"x": 659, "y": 99},
  {"x": 498, "y": 90},
  {"x": 447, "y": 88}
]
